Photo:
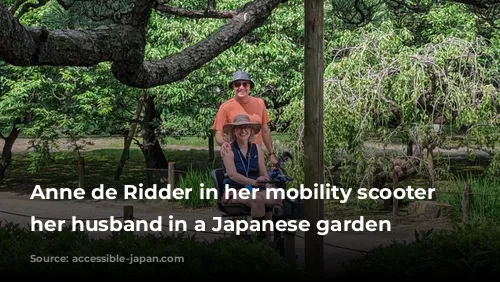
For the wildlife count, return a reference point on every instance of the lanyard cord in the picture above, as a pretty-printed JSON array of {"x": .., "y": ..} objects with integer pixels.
[{"x": 247, "y": 168}]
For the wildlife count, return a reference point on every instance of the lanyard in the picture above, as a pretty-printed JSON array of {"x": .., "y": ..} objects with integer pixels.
[{"x": 247, "y": 167}]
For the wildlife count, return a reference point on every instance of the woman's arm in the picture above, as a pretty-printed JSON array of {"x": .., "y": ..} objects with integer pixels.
[{"x": 232, "y": 173}]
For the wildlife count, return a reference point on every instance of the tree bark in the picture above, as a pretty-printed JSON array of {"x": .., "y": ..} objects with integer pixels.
[
  {"x": 151, "y": 149},
  {"x": 430, "y": 165},
  {"x": 6, "y": 158},
  {"x": 313, "y": 131}
]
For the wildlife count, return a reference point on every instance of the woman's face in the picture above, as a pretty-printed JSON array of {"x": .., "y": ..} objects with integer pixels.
[{"x": 243, "y": 132}]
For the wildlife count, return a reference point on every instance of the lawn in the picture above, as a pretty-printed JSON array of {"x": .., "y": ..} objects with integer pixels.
[{"x": 100, "y": 167}]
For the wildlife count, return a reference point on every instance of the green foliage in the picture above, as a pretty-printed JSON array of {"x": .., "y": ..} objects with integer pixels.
[
  {"x": 464, "y": 251},
  {"x": 379, "y": 88},
  {"x": 272, "y": 54},
  {"x": 485, "y": 198},
  {"x": 194, "y": 258},
  {"x": 100, "y": 165},
  {"x": 47, "y": 103},
  {"x": 493, "y": 170},
  {"x": 193, "y": 179},
  {"x": 397, "y": 53}
]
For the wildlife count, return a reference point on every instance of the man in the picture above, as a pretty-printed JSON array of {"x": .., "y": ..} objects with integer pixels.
[{"x": 243, "y": 104}]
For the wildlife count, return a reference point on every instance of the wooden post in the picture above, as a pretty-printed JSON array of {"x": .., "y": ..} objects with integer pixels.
[
  {"x": 290, "y": 254},
  {"x": 395, "y": 201},
  {"x": 313, "y": 133},
  {"x": 128, "y": 212},
  {"x": 211, "y": 147},
  {"x": 81, "y": 172},
  {"x": 171, "y": 174},
  {"x": 466, "y": 204},
  {"x": 432, "y": 196}
]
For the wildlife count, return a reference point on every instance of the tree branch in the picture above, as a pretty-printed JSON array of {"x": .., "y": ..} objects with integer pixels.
[
  {"x": 37, "y": 46},
  {"x": 123, "y": 44},
  {"x": 483, "y": 4},
  {"x": 65, "y": 5},
  {"x": 208, "y": 13},
  {"x": 16, "y": 6},
  {"x": 177, "y": 66},
  {"x": 26, "y": 7}
]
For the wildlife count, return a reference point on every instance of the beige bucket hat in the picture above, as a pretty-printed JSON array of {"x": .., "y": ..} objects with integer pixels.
[{"x": 242, "y": 120}]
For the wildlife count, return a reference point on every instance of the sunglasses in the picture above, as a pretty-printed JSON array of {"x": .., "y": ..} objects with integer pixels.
[{"x": 238, "y": 84}]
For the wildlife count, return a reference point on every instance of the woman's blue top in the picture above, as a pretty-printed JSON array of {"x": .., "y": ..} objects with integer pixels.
[{"x": 247, "y": 165}]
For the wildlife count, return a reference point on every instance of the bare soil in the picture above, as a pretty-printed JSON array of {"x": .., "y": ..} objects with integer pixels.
[{"x": 23, "y": 145}]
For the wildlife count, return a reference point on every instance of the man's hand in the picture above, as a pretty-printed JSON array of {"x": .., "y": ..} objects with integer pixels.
[
  {"x": 224, "y": 149},
  {"x": 274, "y": 160}
]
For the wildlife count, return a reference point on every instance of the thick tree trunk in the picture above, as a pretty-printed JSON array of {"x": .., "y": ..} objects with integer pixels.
[
  {"x": 151, "y": 149},
  {"x": 6, "y": 158}
]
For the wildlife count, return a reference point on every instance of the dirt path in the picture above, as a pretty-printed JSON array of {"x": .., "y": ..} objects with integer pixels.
[
  {"x": 334, "y": 256},
  {"x": 23, "y": 146}
]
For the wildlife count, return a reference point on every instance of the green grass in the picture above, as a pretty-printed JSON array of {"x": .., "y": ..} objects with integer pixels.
[
  {"x": 186, "y": 141},
  {"x": 193, "y": 179},
  {"x": 485, "y": 198},
  {"x": 100, "y": 166}
]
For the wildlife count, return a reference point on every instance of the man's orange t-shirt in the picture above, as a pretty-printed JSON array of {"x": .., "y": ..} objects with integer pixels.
[{"x": 255, "y": 108}]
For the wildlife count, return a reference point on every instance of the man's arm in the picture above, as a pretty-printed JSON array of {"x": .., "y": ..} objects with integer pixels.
[
  {"x": 266, "y": 138},
  {"x": 262, "y": 164},
  {"x": 219, "y": 137},
  {"x": 220, "y": 119},
  {"x": 268, "y": 142},
  {"x": 266, "y": 133}
]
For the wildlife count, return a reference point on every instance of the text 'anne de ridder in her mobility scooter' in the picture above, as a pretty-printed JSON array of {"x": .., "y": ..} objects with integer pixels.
[{"x": 245, "y": 168}]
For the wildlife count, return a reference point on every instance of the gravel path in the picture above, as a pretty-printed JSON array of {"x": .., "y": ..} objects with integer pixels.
[{"x": 22, "y": 146}]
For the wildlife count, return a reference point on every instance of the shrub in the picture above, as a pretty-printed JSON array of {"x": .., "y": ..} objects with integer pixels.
[
  {"x": 465, "y": 251},
  {"x": 192, "y": 179},
  {"x": 485, "y": 198},
  {"x": 221, "y": 258}
]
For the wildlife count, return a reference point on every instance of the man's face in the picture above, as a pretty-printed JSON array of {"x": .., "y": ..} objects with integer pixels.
[{"x": 241, "y": 88}]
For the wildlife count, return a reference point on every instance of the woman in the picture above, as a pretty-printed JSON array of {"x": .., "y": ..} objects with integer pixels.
[{"x": 245, "y": 165}]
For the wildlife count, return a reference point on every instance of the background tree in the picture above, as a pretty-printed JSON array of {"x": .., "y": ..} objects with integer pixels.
[{"x": 116, "y": 32}]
